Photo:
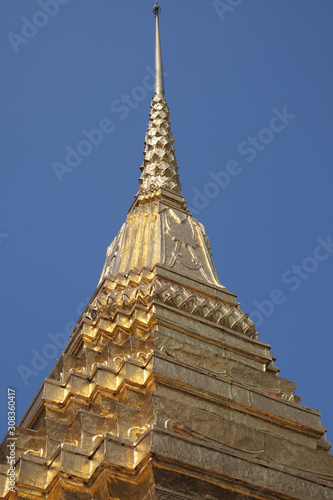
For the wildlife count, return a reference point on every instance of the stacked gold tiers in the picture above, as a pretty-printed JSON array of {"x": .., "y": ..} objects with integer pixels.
[{"x": 164, "y": 392}]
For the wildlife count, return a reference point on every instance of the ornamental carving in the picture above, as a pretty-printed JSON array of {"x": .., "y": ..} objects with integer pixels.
[{"x": 125, "y": 299}]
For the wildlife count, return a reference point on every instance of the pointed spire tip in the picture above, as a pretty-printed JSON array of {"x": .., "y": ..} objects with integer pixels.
[
  {"x": 156, "y": 9},
  {"x": 159, "y": 80}
]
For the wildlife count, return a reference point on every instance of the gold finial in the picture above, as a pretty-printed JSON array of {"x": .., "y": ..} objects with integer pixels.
[{"x": 156, "y": 9}]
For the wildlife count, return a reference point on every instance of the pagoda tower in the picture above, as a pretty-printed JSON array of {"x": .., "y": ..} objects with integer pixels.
[{"x": 164, "y": 390}]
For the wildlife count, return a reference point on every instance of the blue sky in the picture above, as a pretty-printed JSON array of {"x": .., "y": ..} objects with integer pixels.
[{"x": 250, "y": 94}]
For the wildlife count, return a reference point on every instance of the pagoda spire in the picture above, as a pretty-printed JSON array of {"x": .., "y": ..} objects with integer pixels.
[
  {"x": 159, "y": 79},
  {"x": 160, "y": 167},
  {"x": 159, "y": 230},
  {"x": 163, "y": 389}
]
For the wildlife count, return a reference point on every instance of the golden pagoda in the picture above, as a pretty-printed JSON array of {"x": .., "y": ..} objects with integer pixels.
[{"x": 164, "y": 391}]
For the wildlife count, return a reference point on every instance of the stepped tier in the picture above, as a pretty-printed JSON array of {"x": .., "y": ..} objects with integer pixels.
[{"x": 156, "y": 386}]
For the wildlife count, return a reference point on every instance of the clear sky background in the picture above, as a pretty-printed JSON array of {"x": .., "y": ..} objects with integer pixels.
[{"x": 226, "y": 73}]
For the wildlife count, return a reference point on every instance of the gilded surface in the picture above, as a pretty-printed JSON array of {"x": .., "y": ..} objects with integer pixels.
[
  {"x": 124, "y": 298},
  {"x": 157, "y": 234},
  {"x": 159, "y": 228},
  {"x": 152, "y": 383},
  {"x": 159, "y": 168},
  {"x": 164, "y": 390}
]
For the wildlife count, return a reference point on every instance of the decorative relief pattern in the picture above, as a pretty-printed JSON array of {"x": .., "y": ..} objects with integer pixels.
[
  {"x": 108, "y": 303},
  {"x": 182, "y": 230},
  {"x": 159, "y": 168},
  {"x": 157, "y": 234},
  {"x": 159, "y": 228}
]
